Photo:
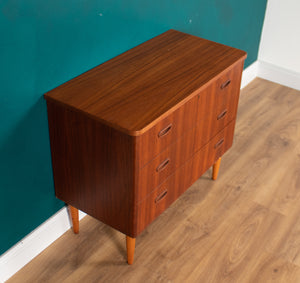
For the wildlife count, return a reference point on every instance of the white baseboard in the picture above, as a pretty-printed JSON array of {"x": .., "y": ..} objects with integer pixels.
[
  {"x": 34, "y": 243},
  {"x": 249, "y": 74},
  {"x": 278, "y": 75}
]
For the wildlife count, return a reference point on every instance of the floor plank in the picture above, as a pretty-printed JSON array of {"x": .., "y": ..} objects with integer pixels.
[{"x": 244, "y": 227}]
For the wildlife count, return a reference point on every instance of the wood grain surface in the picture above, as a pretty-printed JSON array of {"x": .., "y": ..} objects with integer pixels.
[
  {"x": 166, "y": 132},
  {"x": 244, "y": 227},
  {"x": 216, "y": 106},
  {"x": 108, "y": 172},
  {"x": 165, "y": 164},
  {"x": 93, "y": 167},
  {"x": 177, "y": 183},
  {"x": 178, "y": 63}
]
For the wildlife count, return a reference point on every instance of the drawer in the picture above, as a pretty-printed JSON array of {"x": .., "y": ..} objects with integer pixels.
[
  {"x": 227, "y": 90},
  {"x": 217, "y": 105},
  {"x": 163, "y": 196},
  {"x": 176, "y": 184},
  {"x": 212, "y": 151},
  {"x": 163, "y": 165},
  {"x": 166, "y": 132}
]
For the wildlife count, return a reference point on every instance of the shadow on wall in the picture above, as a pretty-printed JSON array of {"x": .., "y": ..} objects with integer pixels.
[{"x": 25, "y": 166}]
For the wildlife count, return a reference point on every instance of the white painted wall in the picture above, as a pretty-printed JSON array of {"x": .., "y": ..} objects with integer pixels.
[{"x": 280, "y": 41}]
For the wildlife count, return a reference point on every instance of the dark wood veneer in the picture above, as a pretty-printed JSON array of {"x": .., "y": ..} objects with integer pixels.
[
  {"x": 131, "y": 135},
  {"x": 93, "y": 167},
  {"x": 184, "y": 177},
  {"x": 133, "y": 90},
  {"x": 150, "y": 144},
  {"x": 214, "y": 101},
  {"x": 176, "y": 154}
]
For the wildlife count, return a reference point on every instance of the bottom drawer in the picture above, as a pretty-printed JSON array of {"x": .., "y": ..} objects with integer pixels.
[
  {"x": 212, "y": 151},
  {"x": 162, "y": 197}
]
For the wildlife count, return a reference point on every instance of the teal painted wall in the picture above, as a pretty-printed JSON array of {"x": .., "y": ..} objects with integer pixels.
[{"x": 45, "y": 43}]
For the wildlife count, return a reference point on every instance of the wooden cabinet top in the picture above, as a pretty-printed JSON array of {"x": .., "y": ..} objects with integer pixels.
[{"x": 141, "y": 86}]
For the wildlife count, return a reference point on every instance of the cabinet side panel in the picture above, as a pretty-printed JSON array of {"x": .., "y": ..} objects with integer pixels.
[{"x": 93, "y": 167}]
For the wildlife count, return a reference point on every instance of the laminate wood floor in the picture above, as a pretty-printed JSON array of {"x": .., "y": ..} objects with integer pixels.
[{"x": 244, "y": 227}]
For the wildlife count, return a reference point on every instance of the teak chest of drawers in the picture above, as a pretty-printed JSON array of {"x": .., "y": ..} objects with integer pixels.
[{"x": 131, "y": 135}]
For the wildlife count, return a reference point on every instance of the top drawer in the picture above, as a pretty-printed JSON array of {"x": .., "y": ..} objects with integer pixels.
[
  {"x": 167, "y": 131},
  {"x": 226, "y": 91},
  {"x": 217, "y": 105}
]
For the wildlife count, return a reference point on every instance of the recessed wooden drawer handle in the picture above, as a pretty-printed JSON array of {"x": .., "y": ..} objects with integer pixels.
[
  {"x": 164, "y": 131},
  {"x": 161, "y": 196},
  {"x": 219, "y": 143},
  {"x": 225, "y": 84},
  {"x": 223, "y": 113},
  {"x": 162, "y": 165}
]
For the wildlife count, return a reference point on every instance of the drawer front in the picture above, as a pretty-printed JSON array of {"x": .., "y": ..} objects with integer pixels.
[
  {"x": 217, "y": 105},
  {"x": 164, "y": 195},
  {"x": 163, "y": 165},
  {"x": 212, "y": 151},
  {"x": 227, "y": 90},
  {"x": 166, "y": 132}
]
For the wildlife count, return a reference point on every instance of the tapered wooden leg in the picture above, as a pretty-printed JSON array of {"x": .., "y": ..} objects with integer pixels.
[
  {"x": 75, "y": 218},
  {"x": 216, "y": 168},
  {"x": 130, "y": 245}
]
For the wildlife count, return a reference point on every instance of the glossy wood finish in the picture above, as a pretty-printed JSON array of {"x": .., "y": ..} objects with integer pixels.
[
  {"x": 130, "y": 246},
  {"x": 74, "y": 215},
  {"x": 133, "y": 90},
  {"x": 175, "y": 185},
  {"x": 131, "y": 135},
  {"x": 179, "y": 122},
  {"x": 165, "y": 164},
  {"x": 93, "y": 167},
  {"x": 212, "y": 151},
  {"x": 242, "y": 228},
  {"x": 163, "y": 196},
  {"x": 217, "y": 107},
  {"x": 216, "y": 168}
]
